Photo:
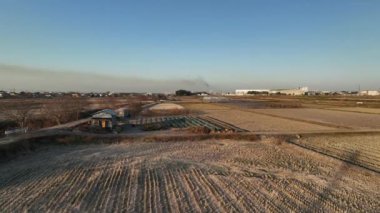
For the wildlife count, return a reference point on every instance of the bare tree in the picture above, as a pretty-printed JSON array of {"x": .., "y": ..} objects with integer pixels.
[
  {"x": 77, "y": 106},
  {"x": 57, "y": 110},
  {"x": 20, "y": 114},
  {"x": 64, "y": 109},
  {"x": 135, "y": 108}
]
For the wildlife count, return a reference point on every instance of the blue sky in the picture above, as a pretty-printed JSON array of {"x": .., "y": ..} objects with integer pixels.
[{"x": 230, "y": 44}]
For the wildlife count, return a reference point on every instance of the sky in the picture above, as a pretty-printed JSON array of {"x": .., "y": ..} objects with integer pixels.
[{"x": 150, "y": 45}]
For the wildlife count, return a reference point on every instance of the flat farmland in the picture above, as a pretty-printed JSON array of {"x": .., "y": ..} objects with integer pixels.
[
  {"x": 363, "y": 150},
  {"x": 207, "y": 176},
  {"x": 203, "y": 106},
  {"x": 263, "y": 123},
  {"x": 358, "y": 109},
  {"x": 339, "y": 118}
]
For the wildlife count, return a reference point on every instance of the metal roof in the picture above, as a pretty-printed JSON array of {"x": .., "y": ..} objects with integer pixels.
[{"x": 106, "y": 113}]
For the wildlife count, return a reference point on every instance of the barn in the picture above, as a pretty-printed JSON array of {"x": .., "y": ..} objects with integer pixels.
[{"x": 105, "y": 119}]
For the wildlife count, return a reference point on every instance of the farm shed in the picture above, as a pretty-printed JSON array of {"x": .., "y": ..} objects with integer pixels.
[{"x": 106, "y": 119}]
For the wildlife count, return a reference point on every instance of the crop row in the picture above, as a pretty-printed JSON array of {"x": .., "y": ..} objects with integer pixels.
[
  {"x": 125, "y": 189},
  {"x": 188, "y": 121}
]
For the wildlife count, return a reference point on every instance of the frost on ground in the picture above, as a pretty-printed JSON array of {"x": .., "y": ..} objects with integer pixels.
[{"x": 208, "y": 176}]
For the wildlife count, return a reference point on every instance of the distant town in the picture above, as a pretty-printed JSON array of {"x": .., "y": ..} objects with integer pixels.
[{"x": 300, "y": 91}]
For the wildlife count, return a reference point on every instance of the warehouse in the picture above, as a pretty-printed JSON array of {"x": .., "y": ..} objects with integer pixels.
[
  {"x": 369, "y": 93},
  {"x": 298, "y": 91}
]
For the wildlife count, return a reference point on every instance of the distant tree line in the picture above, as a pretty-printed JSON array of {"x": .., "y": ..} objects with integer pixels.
[
  {"x": 183, "y": 92},
  {"x": 258, "y": 92}
]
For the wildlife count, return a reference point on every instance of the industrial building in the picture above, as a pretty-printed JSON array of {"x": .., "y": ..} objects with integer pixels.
[
  {"x": 298, "y": 91},
  {"x": 369, "y": 93}
]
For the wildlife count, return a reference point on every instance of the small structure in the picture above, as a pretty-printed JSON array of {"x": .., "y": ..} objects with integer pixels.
[
  {"x": 105, "y": 119},
  {"x": 15, "y": 131}
]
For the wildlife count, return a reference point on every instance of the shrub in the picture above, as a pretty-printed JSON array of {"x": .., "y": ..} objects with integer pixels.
[
  {"x": 153, "y": 127},
  {"x": 199, "y": 130}
]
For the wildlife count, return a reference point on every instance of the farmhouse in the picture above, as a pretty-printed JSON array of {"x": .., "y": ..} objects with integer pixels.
[{"x": 105, "y": 119}]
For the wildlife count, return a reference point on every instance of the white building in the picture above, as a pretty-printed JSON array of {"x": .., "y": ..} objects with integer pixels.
[
  {"x": 299, "y": 91},
  {"x": 369, "y": 92}
]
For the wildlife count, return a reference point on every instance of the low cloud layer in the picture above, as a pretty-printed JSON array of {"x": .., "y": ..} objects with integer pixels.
[{"x": 32, "y": 79}]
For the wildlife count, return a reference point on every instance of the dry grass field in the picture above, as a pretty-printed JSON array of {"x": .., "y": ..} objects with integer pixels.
[
  {"x": 253, "y": 116},
  {"x": 358, "y": 109},
  {"x": 339, "y": 118},
  {"x": 262, "y": 123},
  {"x": 208, "y": 176},
  {"x": 203, "y": 106},
  {"x": 323, "y": 101}
]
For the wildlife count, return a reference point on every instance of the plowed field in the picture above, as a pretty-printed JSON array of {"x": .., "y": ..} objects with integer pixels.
[{"x": 208, "y": 176}]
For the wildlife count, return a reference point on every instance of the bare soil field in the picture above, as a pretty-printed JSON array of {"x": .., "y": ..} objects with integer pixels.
[
  {"x": 262, "y": 123},
  {"x": 166, "y": 106},
  {"x": 208, "y": 176},
  {"x": 359, "y": 149},
  {"x": 323, "y": 101},
  {"x": 358, "y": 109},
  {"x": 345, "y": 119},
  {"x": 184, "y": 122},
  {"x": 203, "y": 106}
]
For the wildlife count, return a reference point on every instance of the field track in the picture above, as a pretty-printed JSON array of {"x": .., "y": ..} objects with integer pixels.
[{"x": 209, "y": 176}]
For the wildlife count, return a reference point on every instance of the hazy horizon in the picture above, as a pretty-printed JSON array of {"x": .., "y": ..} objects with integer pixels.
[
  {"x": 24, "y": 78},
  {"x": 151, "y": 46}
]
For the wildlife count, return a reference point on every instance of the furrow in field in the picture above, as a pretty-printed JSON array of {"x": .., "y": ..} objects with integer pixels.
[
  {"x": 206, "y": 198},
  {"x": 28, "y": 188},
  {"x": 109, "y": 195},
  {"x": 234, "y": 197},
  {"x": 179, "y": 196},
  {"x": 169, "y": 192},
  {"x": 265, "y": 200},
  {"x": 132, "y": 189},
  {"x": 222, "y": 198},
  {"x": 191, "y": 191}
]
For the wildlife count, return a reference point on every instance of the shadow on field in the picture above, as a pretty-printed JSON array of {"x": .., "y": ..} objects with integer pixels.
[{"x": 334, "y": 182}]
